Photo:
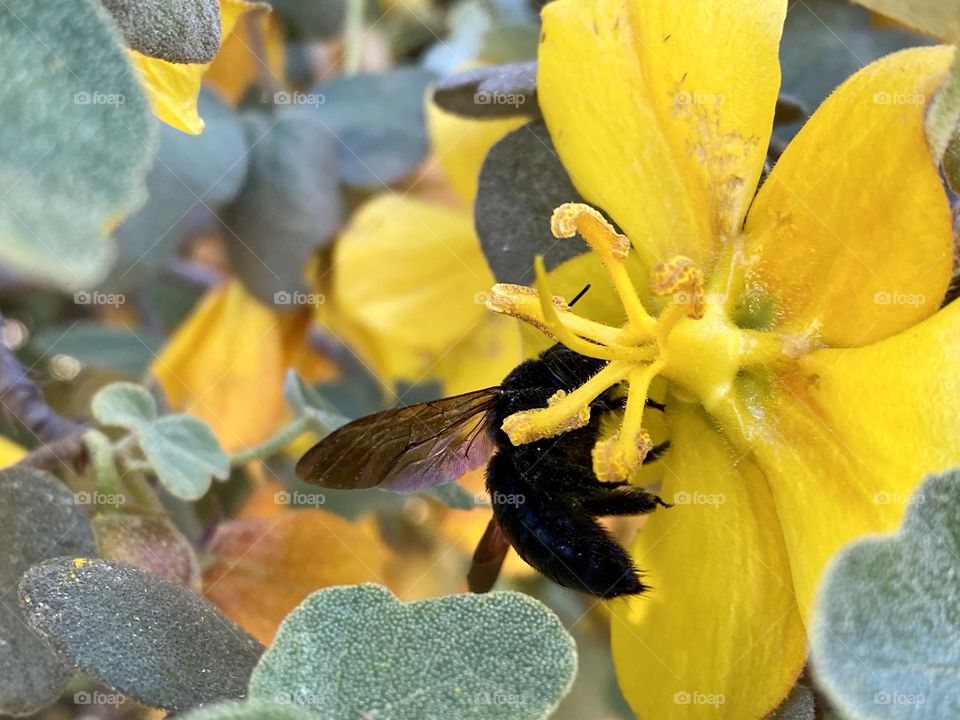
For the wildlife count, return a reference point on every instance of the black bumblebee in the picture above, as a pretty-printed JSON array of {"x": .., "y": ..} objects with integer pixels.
[{"x": 546, "y": 497}]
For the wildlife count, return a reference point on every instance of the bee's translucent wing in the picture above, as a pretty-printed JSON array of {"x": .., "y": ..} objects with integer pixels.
[{"x": 406, "y": 449}]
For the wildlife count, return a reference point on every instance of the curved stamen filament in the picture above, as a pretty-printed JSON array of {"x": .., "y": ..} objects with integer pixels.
[
  {"x": 562, "y": 333},
  {"x": 612, "y": 249},
  {"x": 566, "y": 411},
  {"x": 616, "y": 457}
]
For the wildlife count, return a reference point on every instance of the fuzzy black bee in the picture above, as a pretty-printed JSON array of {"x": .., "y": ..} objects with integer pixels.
[{"x": 546, "y": 497}]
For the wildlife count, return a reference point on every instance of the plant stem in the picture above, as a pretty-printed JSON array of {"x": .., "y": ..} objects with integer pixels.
[
  {"x": 275, "y": 444},
  {"x": 353, "y": 37}
]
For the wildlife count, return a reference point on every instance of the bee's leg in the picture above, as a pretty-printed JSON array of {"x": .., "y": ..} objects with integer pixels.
[
  {"x": 620, "y": 500},
  {"x": 656, "y": 452},
  {"x": 655, "y": 405}
]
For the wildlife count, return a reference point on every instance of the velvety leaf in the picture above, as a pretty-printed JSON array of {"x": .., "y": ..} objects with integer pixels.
[
  {"x": 798, "y": 705},
  {"x": 96, "y": 345},
  {"x": 123, "y": 404},
  {"x": 184, "y": 453},
  {"x": 38, "y": 519},
  {"x": 315, "y": 19},
  {"x": 347, "y": 651},
  {"x": 250, "y": 710},
  {"x": 66, "y": 70},
  {"x": 884, "y": 637},
  {"x": 151, "y": 543},
  {"x": 289, "y": 206},
  {"x": 521, "y": 183},
  {"x": 192, "y": 174},
  {"x": 489, "y": 92},
  {"x": 182, "y": 449},
  {"x": 824, "y": 42},
  {"x": 789, "y": 110},
  {"x": 181, "y": 31},
  {"x": 264, "y": 567},
  {"x": 378, "y": 119},
  {"x": 305, "y": 400},
  {"x": 146, "y": 637}
]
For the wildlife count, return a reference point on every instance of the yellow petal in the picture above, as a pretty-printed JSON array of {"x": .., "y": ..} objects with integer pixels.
[
  {"x": 461, "y": 144},
  {"x": 718, "y": 635},
  {"x": 856, "y": 433},
  {"x": 483, "y": 358},
  {"x": 10, "y": 452},
  {"x": 236, "y": 67},
  {"x": 173, "y": 88},
  {"x": 852, "y": 229},
  {"x": 661, "y": 112},
  {"x": 412, "y": 277},
  {"x": 226, "y": 364}
]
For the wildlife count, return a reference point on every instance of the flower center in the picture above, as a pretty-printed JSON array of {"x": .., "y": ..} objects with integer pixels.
[{"x": 692, "y": 343}]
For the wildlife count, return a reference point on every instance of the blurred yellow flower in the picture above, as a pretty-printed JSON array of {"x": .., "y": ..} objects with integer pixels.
[
  {"x": 408, "y": 281},
  {"x": 226, "y": 364},
  {"x": 10, "y": 452},
  {"x": 805, "y": 363}
]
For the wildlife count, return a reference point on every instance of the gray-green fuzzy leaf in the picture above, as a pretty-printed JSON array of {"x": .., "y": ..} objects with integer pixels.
[
  {"x": 251, "y": 710},
  {"x": 182, "y": 449},
  {"x": 346, "y": 651},
  {"x": 887, "y": 621},
  {"x": 67, "y": 86},
  {"x": 179, "y": 31},
  {"x": 379, "y": 121},
  {"x": 38, "y": 519},
  {"x": 146, "y": 637},
  {"x": 185, "y": 454},
  {"x": 311, "y": 19},
  {"x": 524, "y": 180},
  {"x": 289, "y": 206},
  {"x": 192, "y": 175},
  {"x": 491, "y": 92}
]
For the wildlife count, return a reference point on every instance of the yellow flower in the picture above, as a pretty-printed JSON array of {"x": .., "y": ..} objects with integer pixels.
[
  {"x": 793, "y": 332},
  {"x": 173, "y": 88},
  {"x": 407, "y": 281},
  {"x": 227, "y": 362}
]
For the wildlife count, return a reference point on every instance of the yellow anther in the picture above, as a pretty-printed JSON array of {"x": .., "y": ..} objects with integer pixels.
[
  {"x": 612, "y": 248},
  {"x": 616, "y": 458},
  {"x": 680, "y": 276},
  {"x": 572, "y": 218}
]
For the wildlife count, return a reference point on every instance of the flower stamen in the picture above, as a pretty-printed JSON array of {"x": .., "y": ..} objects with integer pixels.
[
  {"x": 681, "y": 277},
  {"x": 564, "y": 411},
  {"x": 611, "y": 247}
]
